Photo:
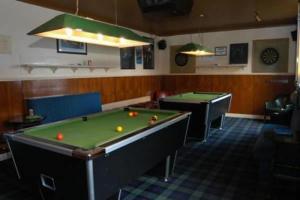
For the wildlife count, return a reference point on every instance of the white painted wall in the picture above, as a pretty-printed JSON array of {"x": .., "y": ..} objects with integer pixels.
[
  {"x": 226, "y": 38},
  {"x": 17, "y": 19}
]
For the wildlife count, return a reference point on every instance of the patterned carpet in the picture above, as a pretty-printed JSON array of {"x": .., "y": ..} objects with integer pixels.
[{"x": 220, "y": 169}]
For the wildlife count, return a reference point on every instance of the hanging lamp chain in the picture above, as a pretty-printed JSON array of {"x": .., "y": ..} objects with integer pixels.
[
  {"x": 201, "y": 34},
  {"x": 116, "y": 11},
  {"x": 77, "y": 7}
]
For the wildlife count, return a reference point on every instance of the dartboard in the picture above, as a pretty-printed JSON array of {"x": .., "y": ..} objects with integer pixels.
[
  {"x": 269, "y": 56},
  {"x": 181, "y": 59}
]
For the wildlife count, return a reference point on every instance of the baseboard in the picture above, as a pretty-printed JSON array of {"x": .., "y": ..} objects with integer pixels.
[
  {"x": 120, "y": 104},
  {"x": 247, "y": 116}
]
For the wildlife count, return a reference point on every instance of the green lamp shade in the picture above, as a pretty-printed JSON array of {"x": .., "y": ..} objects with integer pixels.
[
  {"x": 195, "y": 50},
  {"x": 80, "y": 29}
]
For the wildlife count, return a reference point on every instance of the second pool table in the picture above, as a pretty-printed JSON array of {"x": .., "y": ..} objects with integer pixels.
[
  {"x": 94, "y": 161},
  {"x": 207, "y": 108}
]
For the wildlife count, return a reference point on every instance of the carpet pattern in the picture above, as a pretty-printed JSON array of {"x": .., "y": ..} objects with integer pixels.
[{"x": 220, "y": 169}]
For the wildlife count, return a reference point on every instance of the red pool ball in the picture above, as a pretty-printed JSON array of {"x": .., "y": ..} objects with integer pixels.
[
  {"x": 135, "y": 114},
  {"x": 59, "y": 136}
]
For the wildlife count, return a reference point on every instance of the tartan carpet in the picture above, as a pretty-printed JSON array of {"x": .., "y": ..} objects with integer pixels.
[{"x": 220, "y": 169}]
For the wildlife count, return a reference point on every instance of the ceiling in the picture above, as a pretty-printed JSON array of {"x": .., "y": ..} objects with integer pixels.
[{"x": 218, "y": 14}]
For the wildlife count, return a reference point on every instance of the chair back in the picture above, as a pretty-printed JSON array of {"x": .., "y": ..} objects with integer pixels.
[
  {"x": 56, "y": 108},
  {"x": 295, "y": 124}
]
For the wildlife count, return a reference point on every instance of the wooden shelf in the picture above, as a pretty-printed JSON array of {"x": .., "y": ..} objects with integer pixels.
[
  {"x": 219, "y": 65},
  {"x": 54, "y": 68}
]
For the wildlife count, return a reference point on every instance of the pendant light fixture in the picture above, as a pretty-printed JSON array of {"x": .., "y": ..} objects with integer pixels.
[
  {"x": 81, "y": 29},
  {"x": 195, "y": 49}
]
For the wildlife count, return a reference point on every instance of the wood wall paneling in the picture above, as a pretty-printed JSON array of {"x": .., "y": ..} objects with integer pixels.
[
  {"x": 35, "y": 88},
  {"x": 249, "y": 91},
  {"x": 112, "y": 89},
  {"x": 268, "y": 87},
  {"x": 11, "y": 101}
]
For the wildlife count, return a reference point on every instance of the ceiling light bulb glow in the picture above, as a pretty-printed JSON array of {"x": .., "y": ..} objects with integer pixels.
[
  {"x": 69, "y": 32},
  {"x": 100, "y": 36},
  {"x": 122, "y": 40}
]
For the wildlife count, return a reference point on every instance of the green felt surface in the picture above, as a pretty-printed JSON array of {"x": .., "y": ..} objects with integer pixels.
[
  {"x": 98, "y": 129},
  {"x": 205, "y": 96}
]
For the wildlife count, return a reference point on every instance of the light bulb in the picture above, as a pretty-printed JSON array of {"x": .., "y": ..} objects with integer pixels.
[
  {"x": 122, "y": 40},
  {"x": 100, "y": 36},
  {"x": 69, "y": 32}
]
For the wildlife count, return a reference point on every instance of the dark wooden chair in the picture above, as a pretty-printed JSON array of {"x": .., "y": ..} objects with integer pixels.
[
  {"x": 279, "y": 110},
  {"x": 277, "y": 151}
]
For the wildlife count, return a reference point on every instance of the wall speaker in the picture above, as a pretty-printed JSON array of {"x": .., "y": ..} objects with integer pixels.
[
  {"x": 294, "y": 35},
  {"x": 162, "y": 44}
]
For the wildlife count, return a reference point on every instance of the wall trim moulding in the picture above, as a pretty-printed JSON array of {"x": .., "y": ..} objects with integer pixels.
[
  {"x": 247, "y": 116},
  {"x": 231, "y": 74},
  {"x": 71, "y": 77}
]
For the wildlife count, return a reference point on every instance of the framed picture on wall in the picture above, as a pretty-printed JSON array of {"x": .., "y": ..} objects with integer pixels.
[
  {"x": 221, "y": 51},
  {"x": 66, "y": 46},
  {"x": 238, "y": 53},
  {"x": 139, "y": 55},
  {"x": 127, "y": 58},
  {"x": 148, "y": 52}
]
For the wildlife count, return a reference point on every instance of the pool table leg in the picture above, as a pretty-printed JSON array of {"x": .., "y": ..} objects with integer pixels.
[
  {"x": 206, "y": 131},
  {"x": 167, "y": 169},
  {"x": 174, "y": 162},
  {"x": 90, "y": 179},
  {"x": 218, "y": 123},
  {"x": 116, "y": 196},
  {"x": 120, "y": 194},
  {"x": 222, "y": 122}
]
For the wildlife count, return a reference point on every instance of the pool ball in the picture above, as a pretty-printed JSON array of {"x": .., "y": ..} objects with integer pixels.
[
  {"x": 130, "y": 114},
  {"x": 151, "y": 122},
  {"x": 59, "y": 136},
  {"x": 154, "y": 118},
  {"x": 119, "y": 128},
  {"x": 135, "y": 113}
]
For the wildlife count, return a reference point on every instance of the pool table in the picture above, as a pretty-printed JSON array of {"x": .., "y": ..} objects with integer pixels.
[
  {"x": 93, "y": 160},
  {"x": 208, "y": 108}
]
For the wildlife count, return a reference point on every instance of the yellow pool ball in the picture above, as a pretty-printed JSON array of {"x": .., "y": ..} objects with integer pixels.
[
  {"x": 155, "y": 117},
  {"x": 130, "y": 114},
  {"x": 119, "y": 128}
]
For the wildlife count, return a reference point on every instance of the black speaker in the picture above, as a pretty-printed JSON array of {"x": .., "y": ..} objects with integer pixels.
[
  {"x": 294, "y": 35},
  {"x": 162, "y": 44}
]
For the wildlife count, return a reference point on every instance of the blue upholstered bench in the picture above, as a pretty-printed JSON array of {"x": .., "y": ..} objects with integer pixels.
[{"x": 56, "y": 108}]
